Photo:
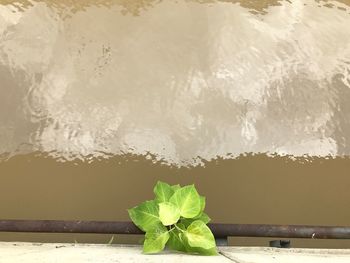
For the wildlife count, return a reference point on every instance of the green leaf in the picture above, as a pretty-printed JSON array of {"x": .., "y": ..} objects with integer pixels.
[
  {"x": 203, "y": 217},
  {"x": 175, "y": 242},
  {"x": 146, "y": 215},
  {"x": 169, "y": 213},
  {"x": 155, "y": 240},
  {"x": 181, "y": 226},
  {"x": 199, "y": 235},
  {"x": 188, "y": 201},
  {"x": 197, "y": 250},
  {"x": 205, "y": 252},
  {"x": 163, "y": 192},
  {"x": 187, "y": 221},
  {"x": 176, "y": 187},
  {"x": 202, "y": 200}
]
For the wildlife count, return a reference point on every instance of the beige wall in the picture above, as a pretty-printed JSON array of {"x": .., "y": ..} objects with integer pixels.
[{"x": 248, "y": 99}]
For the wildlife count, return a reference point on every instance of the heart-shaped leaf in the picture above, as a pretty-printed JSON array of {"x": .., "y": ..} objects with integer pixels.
[
  {"x": 196, "y": 250},
  {"x": 146, "y": 215},
  {"x": 176, "y": 187},
  {"x": 202, "y": 217},
  {"x": 199, "y": 235},
  {"x": 155, "y": 240},
  {"x": 169, "y": 213},
  {"x": 206, "y": 252},
  {"x": 175, "y": 242},
  {"x": 163, "y": 191},
  {"x": 187, "y": 200},
  {"x": 202, "y": 200}
]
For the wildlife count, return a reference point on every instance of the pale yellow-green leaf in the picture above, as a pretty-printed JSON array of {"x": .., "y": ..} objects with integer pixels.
[
  {"x": 163, "y": 191},
  {"x": 169, "y": 213},
  {"x": 187, "y": 200},
  {"x": 145, "y": 215},
  {"x": 176, "y": 187},
  {"x": 202, "y": 200},
  {"x": 155, "y": 240},
  {"x": 199, "y": 235}
]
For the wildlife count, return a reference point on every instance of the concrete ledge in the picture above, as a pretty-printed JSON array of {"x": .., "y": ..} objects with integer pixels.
[
  {"x": 78, "y": 253},
  {"x": 293, "y": 255}
]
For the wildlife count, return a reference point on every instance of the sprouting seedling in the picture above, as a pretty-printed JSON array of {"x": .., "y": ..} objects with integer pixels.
[{"x": 176, "y": 219}]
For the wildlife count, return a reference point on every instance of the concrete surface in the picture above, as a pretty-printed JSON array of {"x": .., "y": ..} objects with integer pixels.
[
  {"x": 277, "y": 255},
  {"x": 78, "y": 253}
]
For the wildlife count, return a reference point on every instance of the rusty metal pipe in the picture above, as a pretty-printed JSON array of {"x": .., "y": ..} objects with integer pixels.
[
  {"x": 219, "y": 230},
  {"x": 56, "y": 226},
  {"x": 283, "y": 231}
]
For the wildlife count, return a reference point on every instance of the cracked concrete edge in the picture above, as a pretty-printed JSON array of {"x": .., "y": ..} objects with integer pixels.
[{"x": 229, "y": 257}]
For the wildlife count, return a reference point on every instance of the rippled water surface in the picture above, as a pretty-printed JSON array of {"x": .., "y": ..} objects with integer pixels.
[
  {"x": 99, "y": 99},
  {"x": 185, "y": 81}
]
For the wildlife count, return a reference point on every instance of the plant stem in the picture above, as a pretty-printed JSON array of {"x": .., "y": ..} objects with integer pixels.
[{"x": 179, "y": 228}]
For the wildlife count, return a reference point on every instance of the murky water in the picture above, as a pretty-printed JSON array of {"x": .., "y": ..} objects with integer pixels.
[{"x": 99, "y": 99}]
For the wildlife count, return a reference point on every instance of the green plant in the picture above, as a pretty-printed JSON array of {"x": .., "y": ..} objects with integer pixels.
[{"x": 176, "y": 219}]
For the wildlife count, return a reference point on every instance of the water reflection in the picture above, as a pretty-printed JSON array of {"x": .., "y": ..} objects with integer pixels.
[{"x": 185, "y": 82}]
